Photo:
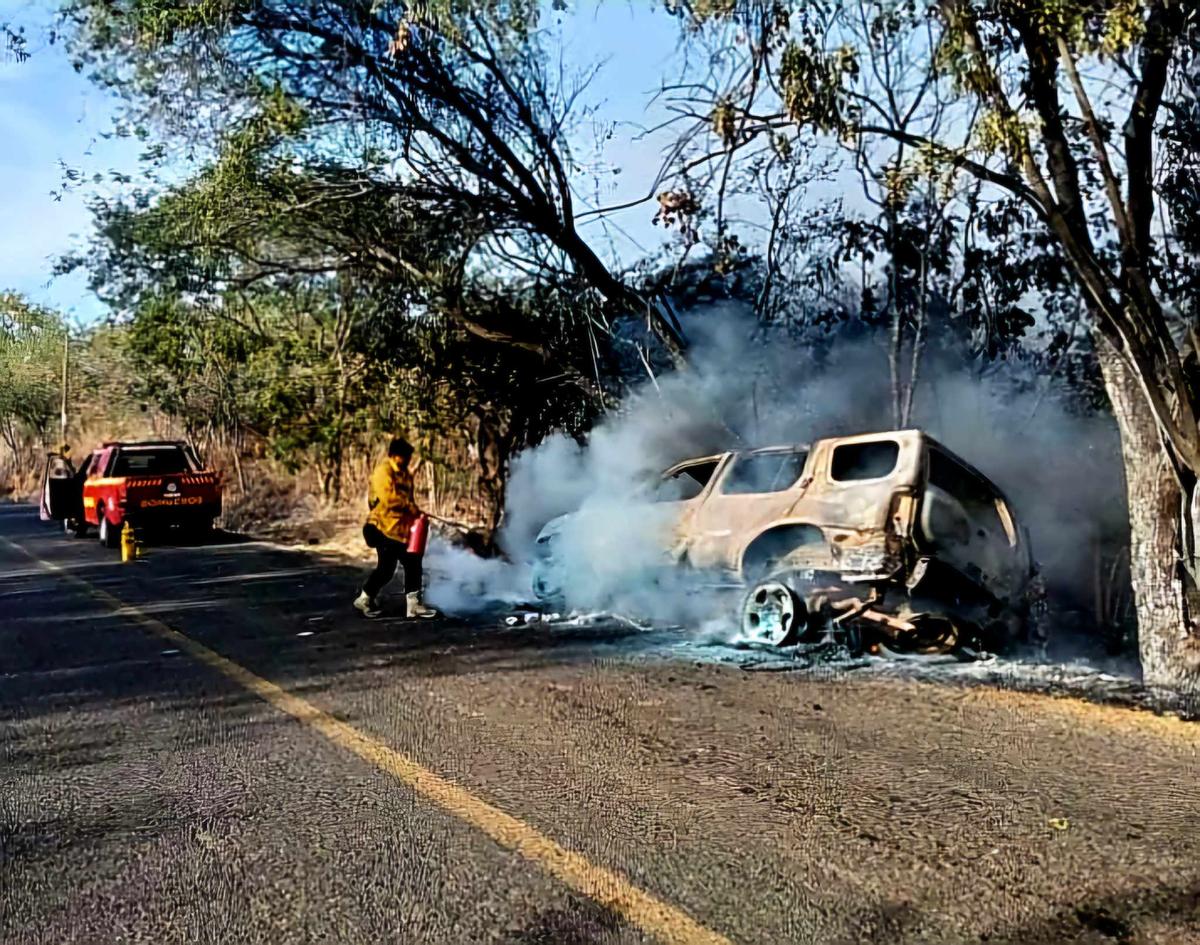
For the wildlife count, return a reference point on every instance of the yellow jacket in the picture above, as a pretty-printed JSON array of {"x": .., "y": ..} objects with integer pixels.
[{"x": 390, "y": 499}]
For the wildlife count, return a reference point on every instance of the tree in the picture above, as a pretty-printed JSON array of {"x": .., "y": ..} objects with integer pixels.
[
  {"x": 1063, "y": 112},
  {"x": 287, "y": 300},
  {"x": 13, "y": 44},
  {"x": 31, "y": 345},
  {"x": 454, "y": 102}
]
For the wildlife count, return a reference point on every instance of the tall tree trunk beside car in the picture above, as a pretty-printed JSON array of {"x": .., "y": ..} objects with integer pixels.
[{"x": 1156, "y": 535}]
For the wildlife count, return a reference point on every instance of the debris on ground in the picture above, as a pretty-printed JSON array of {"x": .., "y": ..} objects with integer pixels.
[
  {"x": 1028, "y": 672},
  {"x": 1075, "y": 679},
  {"x": 577, "y": 619},
  {"x": 531, "y": 617}
]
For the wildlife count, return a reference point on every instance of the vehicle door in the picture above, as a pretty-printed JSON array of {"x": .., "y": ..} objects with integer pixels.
[
  {"x": 677, "y": 497},
  {"x": 967, "y": 523},
  {"x": 62, "y": 490},
  {"x": 753, "y": 490},
  {"x": 93, "y": 484}
]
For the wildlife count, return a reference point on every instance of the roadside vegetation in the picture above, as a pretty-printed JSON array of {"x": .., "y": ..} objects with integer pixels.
[{"x": 381, "y": 229}]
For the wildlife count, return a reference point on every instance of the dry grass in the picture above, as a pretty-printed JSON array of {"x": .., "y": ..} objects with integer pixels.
[
  {"x": 263, "y": 498},
  {"x": 291, "y": 507}
]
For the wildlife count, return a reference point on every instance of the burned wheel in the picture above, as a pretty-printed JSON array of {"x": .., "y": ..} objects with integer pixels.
[
  {"x": 932, "y": 635},
  {"x": 772, "y": 614}
]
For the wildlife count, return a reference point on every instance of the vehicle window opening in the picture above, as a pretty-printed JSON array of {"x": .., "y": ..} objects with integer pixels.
[
  {"x": 763, "y": 472},
  {"x": 686, "y": 483},
  {"x": 151, "y": 462},
  {"x": 984, "y": 507},
  {"x": 853, "y": 462}
]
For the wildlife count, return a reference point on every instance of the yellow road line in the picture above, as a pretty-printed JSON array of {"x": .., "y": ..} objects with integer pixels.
[{"x": 653, "y": 916}]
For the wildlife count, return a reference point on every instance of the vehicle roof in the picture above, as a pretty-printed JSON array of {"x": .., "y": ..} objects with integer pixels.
[
  {"x": 792, "y": 447},
  {"x": 132, "y": 443},
  {"x": 912, "y": 431},
  {"x": 788, "y": 447}
]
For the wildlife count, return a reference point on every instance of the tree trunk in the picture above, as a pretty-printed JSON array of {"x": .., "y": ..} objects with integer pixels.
[{"x": 1165, "y": 644}]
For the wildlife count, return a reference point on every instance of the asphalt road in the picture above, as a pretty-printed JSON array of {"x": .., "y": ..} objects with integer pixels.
[{"x": 208, "y": 746}]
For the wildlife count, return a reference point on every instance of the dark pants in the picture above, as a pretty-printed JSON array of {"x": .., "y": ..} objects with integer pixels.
[{"x": 390, "y": 553}]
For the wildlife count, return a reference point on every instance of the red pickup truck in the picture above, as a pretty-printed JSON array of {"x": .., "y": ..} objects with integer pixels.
[{"x": 152, "y": 485}]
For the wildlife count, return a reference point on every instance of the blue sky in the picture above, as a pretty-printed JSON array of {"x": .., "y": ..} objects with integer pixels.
[{"x": 49, "y": 114}]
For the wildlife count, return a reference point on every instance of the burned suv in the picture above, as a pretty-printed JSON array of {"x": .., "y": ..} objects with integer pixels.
[{"x": 884, "y": 540}]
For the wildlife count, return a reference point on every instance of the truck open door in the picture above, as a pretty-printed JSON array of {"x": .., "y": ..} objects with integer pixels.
[{"x": 62, "y": 491}]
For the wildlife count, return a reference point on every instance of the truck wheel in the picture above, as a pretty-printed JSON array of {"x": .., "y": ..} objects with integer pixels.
[
  {"x": 75, "y": 527},
  {"x": 110, "y": 535}
]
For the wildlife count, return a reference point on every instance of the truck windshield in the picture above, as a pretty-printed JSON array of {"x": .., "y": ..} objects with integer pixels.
[{"x": 150, "y": 461}]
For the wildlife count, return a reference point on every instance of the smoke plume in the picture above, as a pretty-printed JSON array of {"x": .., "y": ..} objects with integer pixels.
[{"x": 748, "y": 386}]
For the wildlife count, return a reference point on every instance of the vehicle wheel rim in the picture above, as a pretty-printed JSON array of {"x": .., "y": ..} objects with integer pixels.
[{"x": 769, "y": 614}]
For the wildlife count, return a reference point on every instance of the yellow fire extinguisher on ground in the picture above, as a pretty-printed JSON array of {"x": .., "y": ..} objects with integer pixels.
[{"x": 130, "y": 547}]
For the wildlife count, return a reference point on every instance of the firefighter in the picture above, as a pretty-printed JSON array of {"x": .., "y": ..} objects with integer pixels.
[{"x": 393, "y": 510}]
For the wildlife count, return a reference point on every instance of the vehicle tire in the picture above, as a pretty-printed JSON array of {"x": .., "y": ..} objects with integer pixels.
[
  {"x": 547, "y": 586},
  {"x": 934, "y": 635},
  {"x": 772, "y": 613},
  {"x": 195, "y": 532},
  {"x": 110, "y": 535},
  {"x": 75, "y": 527}
]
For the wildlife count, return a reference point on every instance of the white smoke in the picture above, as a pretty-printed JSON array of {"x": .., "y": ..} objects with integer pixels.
[
  {"x": 461, "y": 582},
  {"x": 747, "y": 386}
]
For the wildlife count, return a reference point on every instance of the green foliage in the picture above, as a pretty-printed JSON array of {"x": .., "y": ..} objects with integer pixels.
[
  {"x": 1027, "y": 97},
  {"x": 31, "y": 346},
  {"x": 451, "y": 100},
  {"x": 813, "y": 84},
  {"x": 160, "y": 21},
  {"x": 724, "y": 121},
  {"x": 275, "y": 365},
  {"x": 998, "y": 133},
  {"x": 311, "y": 305}
]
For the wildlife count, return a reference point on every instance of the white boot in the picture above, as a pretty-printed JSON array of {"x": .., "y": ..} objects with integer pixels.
[
  {"x": 417, "y": 609},
  {"x": 365, "y": 606}
]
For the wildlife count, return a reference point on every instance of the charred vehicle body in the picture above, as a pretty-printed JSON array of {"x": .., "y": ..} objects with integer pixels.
[{"x": 884, "y": 540}]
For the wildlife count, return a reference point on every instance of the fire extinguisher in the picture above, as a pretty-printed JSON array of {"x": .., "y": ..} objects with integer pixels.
[{"x": 418, "y": 535}]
